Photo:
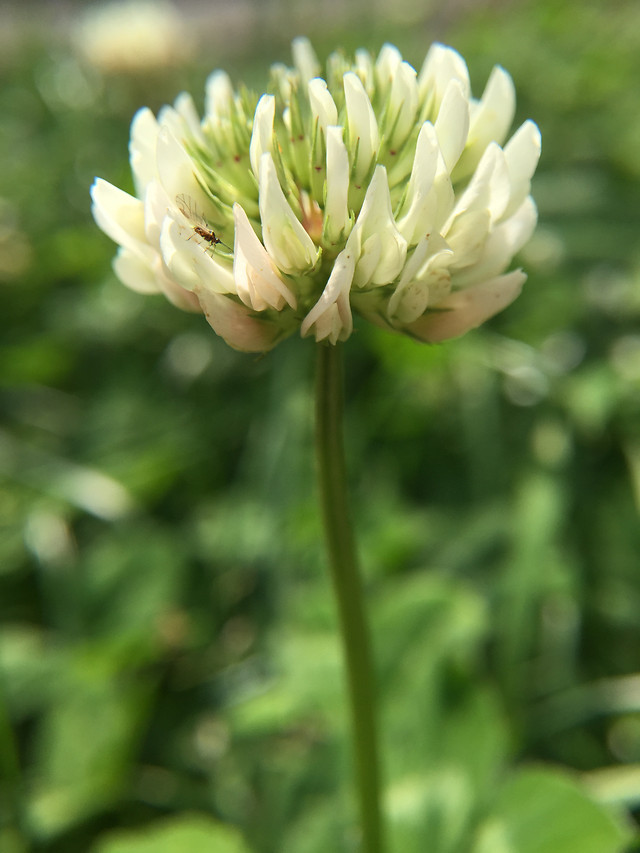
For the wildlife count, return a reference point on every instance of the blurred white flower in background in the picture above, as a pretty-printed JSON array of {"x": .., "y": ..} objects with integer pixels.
[
  {"x": 132, "y": 35},
  {"x": 376, "y": 189}
]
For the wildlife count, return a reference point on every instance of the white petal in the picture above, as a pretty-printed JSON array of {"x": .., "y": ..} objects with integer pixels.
[
  {"x": 330, "y": 318},
  {"x": 186, "y": 108},
  {"x": 135, "y": 272},
  {"x": 284, "y": 237},
  {"x": 192, "y": 264},
  {"x": 281, "y": 79},
  {"x": 365, "y": 69},
  {"x": 496, "y": 108},
  {"x": 156, "y": 204},
  {"x": 490, "y": 120},
  {"x": 425, "y": 280},
  {"x": 522, "y": 153},
  {"x": 422, "y": 257},
  {"x": 169, "y": 118},
  {"x": 375, "y": 241},
  {"x": 177, "y": 254},
  {"x": 120, "y": 216},
  {"x": 257, "y": 282},
  {"x": 414, "y": 219},
  {"x": 517, "y": 230},
  {"x": 489, "y": 188},
  {"x": 403, "y": 101},
  {"x": 452, "y": 124},
  {"x": 434, "y": 208},
  {"x": 218, "y": 95},
  {"x": 468, "y": 235},
  {"x": 502, "y": 244},
  {"x": 323, "y": 107},
  {"x": 336, "y": 203},
  {"x": 465, "y": 309},
  {"x": 386, "y": 67},
  {"x": 441, "y": 65},
  {"x": 383, "y": 248},
  {"x": 178, "y": 172},
  {"x": 142, "y": 149},
  {"x": 175, "y": 293},
  {"x": 262, "y": 135},
  {"x": 148, "y": 278},
  {"x": 305, "y": 59},
  {"x": 361, "y": 124}
]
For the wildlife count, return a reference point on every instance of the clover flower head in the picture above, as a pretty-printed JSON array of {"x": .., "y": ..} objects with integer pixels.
[
  {"x": 131, "y": 35},
  {"x": 375, "y": 189}
]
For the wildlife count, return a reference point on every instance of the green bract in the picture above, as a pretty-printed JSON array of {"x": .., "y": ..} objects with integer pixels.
[{"x": 375, "y": 189}]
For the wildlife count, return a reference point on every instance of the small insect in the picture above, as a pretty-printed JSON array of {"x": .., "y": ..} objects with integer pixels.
[
  {"x": 198, "y": 222},
  {"x": 208, "y": 235}
]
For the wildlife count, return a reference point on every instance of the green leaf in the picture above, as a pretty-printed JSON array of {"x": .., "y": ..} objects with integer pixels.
[
  {"x": 193, "y": 833},
  {"x": 83, "y": 752},
  {"x": 545, "y": 811}
]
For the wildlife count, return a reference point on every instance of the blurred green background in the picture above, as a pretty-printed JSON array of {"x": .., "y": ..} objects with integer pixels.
[{"x": 171, "y": 677}]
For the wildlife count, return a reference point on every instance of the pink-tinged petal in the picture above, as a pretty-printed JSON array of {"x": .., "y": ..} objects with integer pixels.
[
  {"x": 330, "y": 318},
  {"x": 238, "y": 325},
  {"x": 463, "y": 310}
]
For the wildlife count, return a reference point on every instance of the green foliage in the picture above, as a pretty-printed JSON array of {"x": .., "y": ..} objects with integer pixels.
[
  {"x": 542, "y": 812},
  {"x": 192, "y": 832},
  {"x": 170, "y": 674}
]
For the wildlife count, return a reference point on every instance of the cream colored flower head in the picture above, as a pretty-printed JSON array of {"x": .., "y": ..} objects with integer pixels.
[
  {"x": 373, "y": 189},
  {"x": 131, "y": 35}
]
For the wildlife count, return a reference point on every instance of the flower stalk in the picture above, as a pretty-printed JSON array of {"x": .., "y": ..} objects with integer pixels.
[{"x": 348, "y": 590}]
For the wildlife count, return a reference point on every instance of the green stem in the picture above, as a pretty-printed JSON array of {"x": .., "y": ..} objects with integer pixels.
[{"x": 348, "y": 590}]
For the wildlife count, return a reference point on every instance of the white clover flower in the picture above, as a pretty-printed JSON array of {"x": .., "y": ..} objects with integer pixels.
[
  {"x": 131, "y": 35},
  {"x": 377, "y": 189}
]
